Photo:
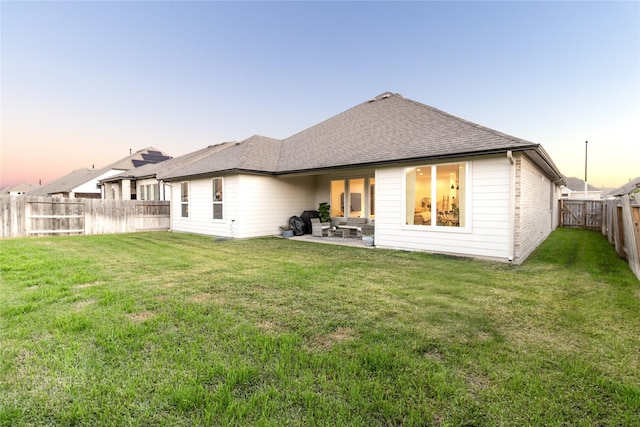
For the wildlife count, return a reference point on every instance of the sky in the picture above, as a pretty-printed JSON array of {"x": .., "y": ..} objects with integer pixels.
[{"x": 83, "y": 82}]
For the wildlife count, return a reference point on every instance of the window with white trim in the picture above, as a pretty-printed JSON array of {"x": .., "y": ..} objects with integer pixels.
[
  {"x": 152, "y": 192},
  {"x": 184, "y": 199},
  {"x": 436, "y": 195},
  {"x": 217, "y": 195}
]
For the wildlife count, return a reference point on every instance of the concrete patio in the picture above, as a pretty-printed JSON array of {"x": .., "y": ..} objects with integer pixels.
[{"x": 347, "y": 241}]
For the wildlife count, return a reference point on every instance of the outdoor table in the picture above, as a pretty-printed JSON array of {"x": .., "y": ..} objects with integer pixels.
[{"x": 340, "y": 232}]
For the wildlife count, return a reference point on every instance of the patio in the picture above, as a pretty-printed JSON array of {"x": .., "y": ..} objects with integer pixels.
[{"x": 346, "y": 241}]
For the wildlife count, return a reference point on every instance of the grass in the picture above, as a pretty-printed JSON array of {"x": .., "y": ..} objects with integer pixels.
[{"x": 177, "y": 329}]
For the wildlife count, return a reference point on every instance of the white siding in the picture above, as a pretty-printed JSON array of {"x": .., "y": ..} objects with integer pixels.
[
  {"x": 112, "y": 190},
  {"x": 268, "y": 202},
  {"x": 488, "y": 230},
  {"x": 536, "y": 208},
  {"x": 253, "y": 205},
  {"x": 200, "y": 218},
  {"x": 504, "y": 222},
  {"x": 93, "y": 185}
]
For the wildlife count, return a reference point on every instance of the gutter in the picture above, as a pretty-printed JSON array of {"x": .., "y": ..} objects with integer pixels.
[
  {"x": 217, "y": 173},
  {"x": 407, "y": 160}
]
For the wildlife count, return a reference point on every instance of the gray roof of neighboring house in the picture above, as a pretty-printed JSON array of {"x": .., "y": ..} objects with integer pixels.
[
  {"x": 386, "y": 129},
  {"x": 628, "y": 188},
  {"x": 20, "y": 188},
  {"x": 158, "y": 170},
  {"x": 67, "y": 182},
  {"x": 577, "y": 184},
  {"x": 149, "y": 155},
  {"x": 78, "y": 177},
  {"x": 256, "y": 154}
]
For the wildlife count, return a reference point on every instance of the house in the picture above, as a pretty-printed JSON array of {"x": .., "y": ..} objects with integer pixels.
[
  {"x": 631, "y": 188},
  {"x": 18, "y": 190},
  {"x": 84, "y": 183},
  {"x": 429, "y": 181},
  {"x": 575, "y": 190},
  {"x": 145, "y": 182}
]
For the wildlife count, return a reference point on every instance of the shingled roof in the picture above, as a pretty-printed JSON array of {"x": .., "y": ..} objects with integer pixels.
[
  {"x": 630, "y": 187},
  {"x": 384, "y": 130},
  {"x": 166, "y": 167},
  {"x": 23, "y": 187},
  {"x": 390, "y": 128},
  {"x": 257, "y": 154},
  {"x": 67, "y": 182},
  {"x": 79, "y": 177}
]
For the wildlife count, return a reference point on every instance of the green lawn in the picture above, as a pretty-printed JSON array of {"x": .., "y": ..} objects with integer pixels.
[{"x": 178, "y": 329}]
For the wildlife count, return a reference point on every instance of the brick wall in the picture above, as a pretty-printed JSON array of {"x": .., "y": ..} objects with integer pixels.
[{"x": 534, "y": 202}]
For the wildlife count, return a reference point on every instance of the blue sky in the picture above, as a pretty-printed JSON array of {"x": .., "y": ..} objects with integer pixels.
[{"x": 83, "y": 82}]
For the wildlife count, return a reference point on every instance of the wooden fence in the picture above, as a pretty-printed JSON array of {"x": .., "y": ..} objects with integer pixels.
[
  {"x": 24, "y": 216},
  {"x": 581, "y": 214},
  {"x": 618, "y": 220},
  {"x": 621, "y": 225}
]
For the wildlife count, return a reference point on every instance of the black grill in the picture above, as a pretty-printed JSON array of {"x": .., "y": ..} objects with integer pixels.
[{"x": 306, "y": 219}]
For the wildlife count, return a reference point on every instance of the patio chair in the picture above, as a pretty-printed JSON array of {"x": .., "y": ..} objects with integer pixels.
[{"x": 318, "y": 229}]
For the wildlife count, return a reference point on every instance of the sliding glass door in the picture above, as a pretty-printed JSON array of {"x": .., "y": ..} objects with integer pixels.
[{"x": 353, "y": 198}]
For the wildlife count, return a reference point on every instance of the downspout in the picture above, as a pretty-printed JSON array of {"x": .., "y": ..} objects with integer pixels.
[{"x": 512, "y": 206}]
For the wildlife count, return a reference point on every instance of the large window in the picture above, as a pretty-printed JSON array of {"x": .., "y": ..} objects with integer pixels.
[
  {"x": 436, "y": 195},
  {"x": 184, "y": 199},
  {"x": 353, "y": 198},
  {"x": 217, "y": 198},
  {"x": 150, "y": 192}
]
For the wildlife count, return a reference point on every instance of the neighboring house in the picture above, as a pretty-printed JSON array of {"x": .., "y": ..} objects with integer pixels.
[
  {"x": 431, "y": 181},
  {"x": 145, "y": 182},
  {"x": 575, "y": 190},
  {"x": 631, "y": 188},
  {"x": 18, "y": 190},
  {"x": 83, "y": 183}
]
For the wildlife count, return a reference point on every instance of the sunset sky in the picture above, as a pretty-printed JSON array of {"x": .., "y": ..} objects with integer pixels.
[{"x": 84, "y": 82}]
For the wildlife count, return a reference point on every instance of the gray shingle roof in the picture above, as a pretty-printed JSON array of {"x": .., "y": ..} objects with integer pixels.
[
  {"x": 386, "y": 129},
  {"x": 140, "y": 157},
  {"x": 389, "y": 128},
  {"x": 258, "y": 154},
  {"x": 78, "y": 177},
  {"x": 628, "y": 188},
  {"x": 67, "y": 182},
  {"x": 161, "y": 169},
  {"x": 20, "y": 188}
]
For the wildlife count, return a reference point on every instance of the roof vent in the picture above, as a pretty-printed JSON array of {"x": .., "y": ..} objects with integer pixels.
[{"x": 386, "y": 95}]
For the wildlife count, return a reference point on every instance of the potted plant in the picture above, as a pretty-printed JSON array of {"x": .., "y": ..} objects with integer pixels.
[
  {"x": 286, "y": 231},
  {"x": 324, "y": 212}
]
